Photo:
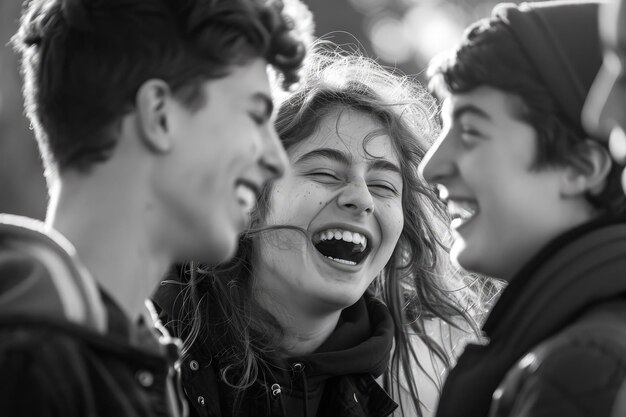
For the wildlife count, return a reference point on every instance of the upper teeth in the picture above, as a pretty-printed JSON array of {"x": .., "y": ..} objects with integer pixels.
[
  {"x": 246, "y": 197},
  {"x": 462, "y": 209},
  {"x": 346, "y": 235}
]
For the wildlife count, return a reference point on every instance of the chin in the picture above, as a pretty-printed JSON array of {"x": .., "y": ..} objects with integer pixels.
[
  {"x": 214, "y": 251},
  {"x": 490, "y": 267},
  {"x": 224, "y": 252},
  {"x": 463, "y": 257},
  {"x": 339, "y": 301},
  {"x": 457, "y": 252}
]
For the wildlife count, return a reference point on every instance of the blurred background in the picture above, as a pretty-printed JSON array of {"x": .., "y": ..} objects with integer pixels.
[{"x": 399, "y": 33}]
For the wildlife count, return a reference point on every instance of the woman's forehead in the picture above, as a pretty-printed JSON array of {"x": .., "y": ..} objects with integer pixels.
[{"x": 349, "y": 131}]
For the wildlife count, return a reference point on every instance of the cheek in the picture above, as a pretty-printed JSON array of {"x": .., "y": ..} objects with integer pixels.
[
  {"x": 392, "y": 222},
  {"x": 475, "y": 169},
  {"x": 295, "y": 203},
  {"x": 228, "y": 152},
  {"x": 244, "y": 145},
  {"x": 274, "y": 245},
  {"x": 204, "y": 167}
]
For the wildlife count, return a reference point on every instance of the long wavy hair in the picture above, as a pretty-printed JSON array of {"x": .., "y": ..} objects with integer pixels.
[{"x": 418, "y": 283}]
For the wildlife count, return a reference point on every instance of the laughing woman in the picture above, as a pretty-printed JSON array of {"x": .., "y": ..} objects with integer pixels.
[{"x": 344, "y": 278}]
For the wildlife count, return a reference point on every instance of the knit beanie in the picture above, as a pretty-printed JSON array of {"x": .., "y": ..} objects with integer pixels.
[{"x": 561, "y": 40}]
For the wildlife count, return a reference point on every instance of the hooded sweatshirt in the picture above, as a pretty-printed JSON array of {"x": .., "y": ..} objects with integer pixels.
[
  {"x": 360, "y": 344},
  {"x": 337, "y": 379}
]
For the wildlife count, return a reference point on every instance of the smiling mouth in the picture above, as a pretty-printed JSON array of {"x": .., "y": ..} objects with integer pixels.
[
  {"x": 462, "y": 212},
  {"x": 342, "y": 246},
  {"x": 246, "y": 195}
]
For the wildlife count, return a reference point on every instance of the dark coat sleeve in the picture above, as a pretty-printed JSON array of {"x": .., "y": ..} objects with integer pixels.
[{"x": 575, "y": 374}]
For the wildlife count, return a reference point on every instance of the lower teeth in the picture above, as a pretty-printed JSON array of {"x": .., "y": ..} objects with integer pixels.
[{"x": 341, "y": 261}]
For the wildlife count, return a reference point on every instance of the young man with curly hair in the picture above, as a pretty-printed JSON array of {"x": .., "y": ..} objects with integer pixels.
[{"x": 153, "y": 118}]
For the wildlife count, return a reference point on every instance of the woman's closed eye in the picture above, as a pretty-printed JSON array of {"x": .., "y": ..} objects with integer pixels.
[
  {"x": 324, "y": 176},
  {"x": 384, "y": 188}
]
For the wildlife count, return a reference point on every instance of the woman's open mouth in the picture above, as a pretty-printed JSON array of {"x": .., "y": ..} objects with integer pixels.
[{"x": 342, "y": 246}]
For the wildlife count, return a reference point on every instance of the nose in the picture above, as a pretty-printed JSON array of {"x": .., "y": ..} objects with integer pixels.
[
  {"x": 602, "y": 108},
  {"x": 356, "y": 198},
  {"x": 273, "y": 159},
  {"x": 439, "y": 162}
]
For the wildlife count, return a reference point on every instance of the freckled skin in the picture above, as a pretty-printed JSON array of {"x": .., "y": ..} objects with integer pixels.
[{"x": 289, "y": 267}]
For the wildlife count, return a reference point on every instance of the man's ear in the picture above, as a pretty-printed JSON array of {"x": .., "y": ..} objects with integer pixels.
[
  {"x": 590, "y": 177},
  {"x": 153, "y": 102}
]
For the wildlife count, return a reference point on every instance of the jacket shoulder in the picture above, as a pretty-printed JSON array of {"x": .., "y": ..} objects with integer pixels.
[
  {"x": 51, "y": 369},
  {"x": 43, "y": 373},
  {"x": 576, "y": 372},
  {"x": 41, "y": 276}
]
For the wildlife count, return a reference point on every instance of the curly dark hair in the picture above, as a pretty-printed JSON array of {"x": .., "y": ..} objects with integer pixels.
[
  {"x": 490, "y": 55},
  {"x": 83, "y": 61}
]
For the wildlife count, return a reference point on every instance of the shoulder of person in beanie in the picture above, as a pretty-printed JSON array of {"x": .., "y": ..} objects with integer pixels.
[
  {"x": 578, "y": 371},
  {"x": 605, "y": 108},
  {"x": 557, "y": 332}
]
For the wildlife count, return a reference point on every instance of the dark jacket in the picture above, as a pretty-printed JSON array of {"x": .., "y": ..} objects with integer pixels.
[
  {"x": 338, "y": 378},
  {"x": 66, "y": 349},
  {"x": 619, "y": 408},
  {"x": 556, "y": 337}
]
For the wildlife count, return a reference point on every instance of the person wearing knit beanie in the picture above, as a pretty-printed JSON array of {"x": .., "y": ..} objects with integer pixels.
[
  {"x": 605, "y": 110},
  {"x": 535, "y": 201}
]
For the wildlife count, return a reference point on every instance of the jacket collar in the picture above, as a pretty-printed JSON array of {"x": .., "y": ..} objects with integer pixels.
[{"x": 574, "y": 273}]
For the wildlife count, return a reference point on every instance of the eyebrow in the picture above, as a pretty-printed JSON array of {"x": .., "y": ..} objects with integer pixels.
[
  {"x": 384, "y": 165},
  {"x": 332, "y": 154},
  {"x": 344, "y": 158},
  {"x": 267, "y": 102},
  {"x": 470, "y": 109}
]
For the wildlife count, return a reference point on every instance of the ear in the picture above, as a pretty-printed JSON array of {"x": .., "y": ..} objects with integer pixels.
[
  {"x": 153, "y": 102},
  {"x": 590, "y": 177}
]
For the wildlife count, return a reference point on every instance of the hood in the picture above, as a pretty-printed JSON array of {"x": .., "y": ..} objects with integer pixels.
[{"x": 360, "y": 344}]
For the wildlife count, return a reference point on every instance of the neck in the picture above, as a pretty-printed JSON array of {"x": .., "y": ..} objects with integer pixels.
[
  {"x": 305, "y": 330},
  {"x": 110, "y": 229}
]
